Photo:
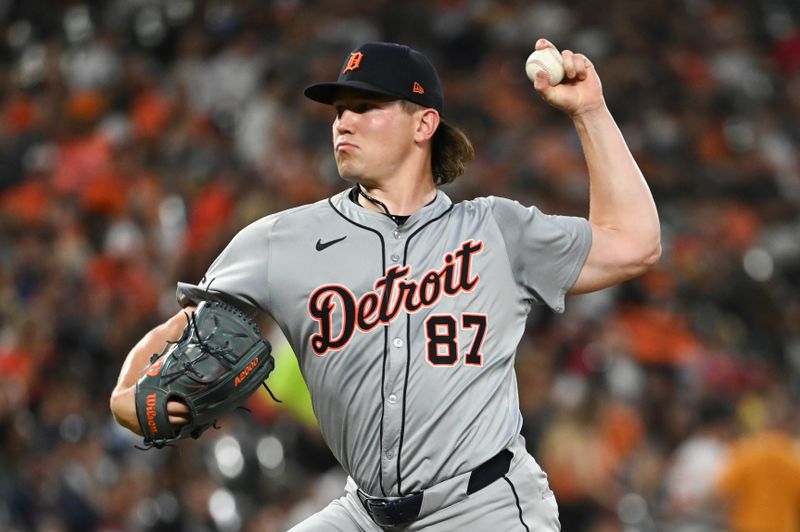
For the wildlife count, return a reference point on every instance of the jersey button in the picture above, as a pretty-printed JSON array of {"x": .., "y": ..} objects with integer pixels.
[
  {"x": 393, "y": 398},
  {"x": 389, "y": 455},
  {"x": 397, "y": 342},
  {"x": 395, "y": 257},
  {"x": 396, "y": 233}
]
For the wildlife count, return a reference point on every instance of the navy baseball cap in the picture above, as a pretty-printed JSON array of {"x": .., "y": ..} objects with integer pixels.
[{"x": 387, "y": 69}]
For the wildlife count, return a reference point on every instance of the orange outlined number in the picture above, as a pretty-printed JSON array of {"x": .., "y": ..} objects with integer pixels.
[
  {"x": 442, "y": 332},
  {"x": 443, "y": 339},
  {"x": 474, "y": 356},
  {"x": 354, "y": 62}
]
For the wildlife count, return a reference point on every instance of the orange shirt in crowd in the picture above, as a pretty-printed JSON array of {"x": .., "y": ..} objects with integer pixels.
[{"x": 761, "y": 484}]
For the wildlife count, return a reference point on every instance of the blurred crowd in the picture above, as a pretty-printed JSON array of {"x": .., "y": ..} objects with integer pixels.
[{"x": 137, "y": 136}]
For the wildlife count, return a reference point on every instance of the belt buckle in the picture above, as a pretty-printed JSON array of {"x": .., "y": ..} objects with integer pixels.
[
  {"x": 373, "y": 503},
  {"x": 392, "y": 511}
]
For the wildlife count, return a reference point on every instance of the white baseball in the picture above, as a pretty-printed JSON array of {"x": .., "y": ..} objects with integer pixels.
[{"x": 549, "y": 60}]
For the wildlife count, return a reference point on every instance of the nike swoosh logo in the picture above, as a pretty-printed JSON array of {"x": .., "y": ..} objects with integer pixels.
[{"x": 321, "y": 245}]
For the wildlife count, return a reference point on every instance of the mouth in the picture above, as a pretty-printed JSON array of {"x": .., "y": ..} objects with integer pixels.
[{"x": 344, "y": 145}]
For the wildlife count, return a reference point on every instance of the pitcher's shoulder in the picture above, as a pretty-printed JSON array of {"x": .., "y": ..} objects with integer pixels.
[
  {"x": 305, "y": 214},
  {"x": 481, "y": 205}
]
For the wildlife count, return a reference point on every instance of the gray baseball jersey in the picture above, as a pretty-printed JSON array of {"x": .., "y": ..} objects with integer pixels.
[{"x": 406, "y": 335}]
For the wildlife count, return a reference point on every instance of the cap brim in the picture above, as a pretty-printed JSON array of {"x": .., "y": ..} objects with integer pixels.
[{"x": 326, "y": 92}]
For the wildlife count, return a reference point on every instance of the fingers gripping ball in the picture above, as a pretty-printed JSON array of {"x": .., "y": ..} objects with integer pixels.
[
  {"x": 218, "y": 362},
  {"x": 548, "y": 60}
]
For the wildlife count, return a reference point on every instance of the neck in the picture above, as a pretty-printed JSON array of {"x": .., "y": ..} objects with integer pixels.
[{"x": 402, "y": 200}]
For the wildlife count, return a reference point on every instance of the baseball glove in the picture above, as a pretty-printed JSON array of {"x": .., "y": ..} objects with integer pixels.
[{"x": 218, "y": 362}]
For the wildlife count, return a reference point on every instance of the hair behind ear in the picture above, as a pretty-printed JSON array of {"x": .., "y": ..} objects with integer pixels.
[{"x": 451, "y": 151}]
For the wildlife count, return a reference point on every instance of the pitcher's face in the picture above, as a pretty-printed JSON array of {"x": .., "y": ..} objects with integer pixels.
[{"x": 372, "y": 136}]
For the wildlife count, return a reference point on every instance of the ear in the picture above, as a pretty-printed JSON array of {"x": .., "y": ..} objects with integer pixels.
[{"x": 427, "y": 124}]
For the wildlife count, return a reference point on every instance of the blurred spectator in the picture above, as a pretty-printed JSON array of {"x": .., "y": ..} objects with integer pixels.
[
  {"x": 695, "y": 469},
  {"x": 760, "y": 481}
]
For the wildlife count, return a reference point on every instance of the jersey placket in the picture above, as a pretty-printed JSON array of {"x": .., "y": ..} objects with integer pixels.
[{"x": 394, "y": 376}]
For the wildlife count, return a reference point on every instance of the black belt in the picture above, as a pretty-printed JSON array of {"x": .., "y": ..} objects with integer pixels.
[{"x": 397, "y": 511}]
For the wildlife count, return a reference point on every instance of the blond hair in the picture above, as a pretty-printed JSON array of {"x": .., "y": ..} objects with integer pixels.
[{"x": 451, "y": 150}]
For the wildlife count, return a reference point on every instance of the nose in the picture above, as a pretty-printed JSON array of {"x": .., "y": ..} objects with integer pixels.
[{"x": 344, "y": 121}]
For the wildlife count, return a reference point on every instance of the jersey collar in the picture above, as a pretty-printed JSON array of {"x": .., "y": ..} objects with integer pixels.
[{"x": 352, "y": 210}]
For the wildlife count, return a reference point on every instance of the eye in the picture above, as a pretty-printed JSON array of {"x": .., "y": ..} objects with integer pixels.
[
  {"x": 362, "y": 107},
  {"x": 355, "y": 107}
]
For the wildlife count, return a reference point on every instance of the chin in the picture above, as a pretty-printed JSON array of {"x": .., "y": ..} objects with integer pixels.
[
  {"x": 354, "y": 174},
  {"x": 347, "y": 176},
  {"x": 347, "y": 173}
]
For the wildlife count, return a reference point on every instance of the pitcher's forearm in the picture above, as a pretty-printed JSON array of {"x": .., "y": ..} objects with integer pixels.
[
  {"x": 619, "y": 198},
  {"x": 152, "y": 342},
  {"x": 123, "y": 401}
]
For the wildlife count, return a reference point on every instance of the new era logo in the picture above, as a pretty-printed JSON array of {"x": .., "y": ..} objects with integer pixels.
[{"x": 417, "y": 88}]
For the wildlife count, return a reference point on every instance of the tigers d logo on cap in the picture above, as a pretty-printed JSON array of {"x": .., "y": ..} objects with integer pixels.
[{"x": 354, "y": 62}]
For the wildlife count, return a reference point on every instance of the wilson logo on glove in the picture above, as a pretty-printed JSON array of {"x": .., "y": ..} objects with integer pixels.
[
  {"x": 150, "y": 412},
  {"x": 246, "y": 372}
]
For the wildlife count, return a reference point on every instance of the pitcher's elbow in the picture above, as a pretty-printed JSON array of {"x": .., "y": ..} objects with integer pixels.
[
  {"x": 115, "y": 406},
  {"x": 644, "y": 260},
  {"x": 652, "y": 258},
  {"x": 123, "y": 409}
]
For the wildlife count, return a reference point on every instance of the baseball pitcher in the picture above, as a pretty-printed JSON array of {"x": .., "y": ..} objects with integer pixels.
[{"x": 405, "y": 309}]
